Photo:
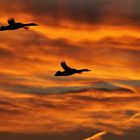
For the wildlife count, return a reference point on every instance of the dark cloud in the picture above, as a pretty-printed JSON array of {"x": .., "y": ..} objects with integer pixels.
[
  {"x": 132, "y": 134},
  {"x": 135, "y": 83},
  {"x": 80, "y": 11},
  {"x": 5, "y": 52},
  {"x": 54, "y": 12},
  {"x": 104, "y": 86},
  {"x": 77, "y": 135},
  {"x": 98, "y": 87},
  {"x": 107, "y": 100},
  {"x": 8, "y": 107},
  {"x": 88, "y": 12}
]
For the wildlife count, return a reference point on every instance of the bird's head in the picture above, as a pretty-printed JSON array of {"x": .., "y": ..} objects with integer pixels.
[
  {"x": 86, "y": 70},
  {"x": 34, "y": 24}
]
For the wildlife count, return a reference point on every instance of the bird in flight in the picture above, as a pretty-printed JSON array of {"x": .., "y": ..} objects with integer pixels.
[
  {"x": 12, "y": 25},
  {"x": 69, "y": 71}
]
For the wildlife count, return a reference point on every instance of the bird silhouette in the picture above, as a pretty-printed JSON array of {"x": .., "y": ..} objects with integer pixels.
[
  {"x": 69, "y": 71},
  {"x": 12, "y": 25}
]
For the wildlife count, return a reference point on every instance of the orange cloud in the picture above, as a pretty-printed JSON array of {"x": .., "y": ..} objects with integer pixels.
[{"x": 107, "y": 98}]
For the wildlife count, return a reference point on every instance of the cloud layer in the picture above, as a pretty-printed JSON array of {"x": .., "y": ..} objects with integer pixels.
[{"x": 99, "y": 35}]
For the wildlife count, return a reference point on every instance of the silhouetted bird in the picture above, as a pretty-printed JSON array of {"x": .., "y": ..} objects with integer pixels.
[
  {"x": 69, "y": 71},
  {"x": 16, "y": 25}
]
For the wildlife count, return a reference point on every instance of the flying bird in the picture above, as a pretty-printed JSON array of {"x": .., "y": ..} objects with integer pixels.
[
  {"x": 12, "y": 25},
  {"x": 69, "y": 71}
]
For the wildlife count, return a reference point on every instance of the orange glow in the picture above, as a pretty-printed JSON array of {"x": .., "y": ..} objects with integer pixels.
[
  {"x": 34, "y": 101},
  {"x": 87, "y": 33}
]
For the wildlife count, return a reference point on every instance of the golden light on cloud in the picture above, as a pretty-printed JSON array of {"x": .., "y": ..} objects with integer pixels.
[
  {"x": 87, "y": 33},
  {"x": 97, "y": 136}
]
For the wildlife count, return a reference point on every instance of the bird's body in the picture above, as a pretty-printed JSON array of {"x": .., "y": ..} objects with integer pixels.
[
  {"x": 12, "y": 25},
  {"x": 69, "y": 71}
]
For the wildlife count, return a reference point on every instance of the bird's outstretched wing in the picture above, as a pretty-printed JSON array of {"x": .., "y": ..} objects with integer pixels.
[
  {"x": 11, "y": 21},
  {"x": 65, "y": 66}
]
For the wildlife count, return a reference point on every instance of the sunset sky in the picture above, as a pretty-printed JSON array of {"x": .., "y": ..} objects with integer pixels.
[{"x": 100, "y": 35}]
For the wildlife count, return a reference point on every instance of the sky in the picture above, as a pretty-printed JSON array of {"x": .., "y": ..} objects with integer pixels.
[{"x": 100, "y": 35}]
